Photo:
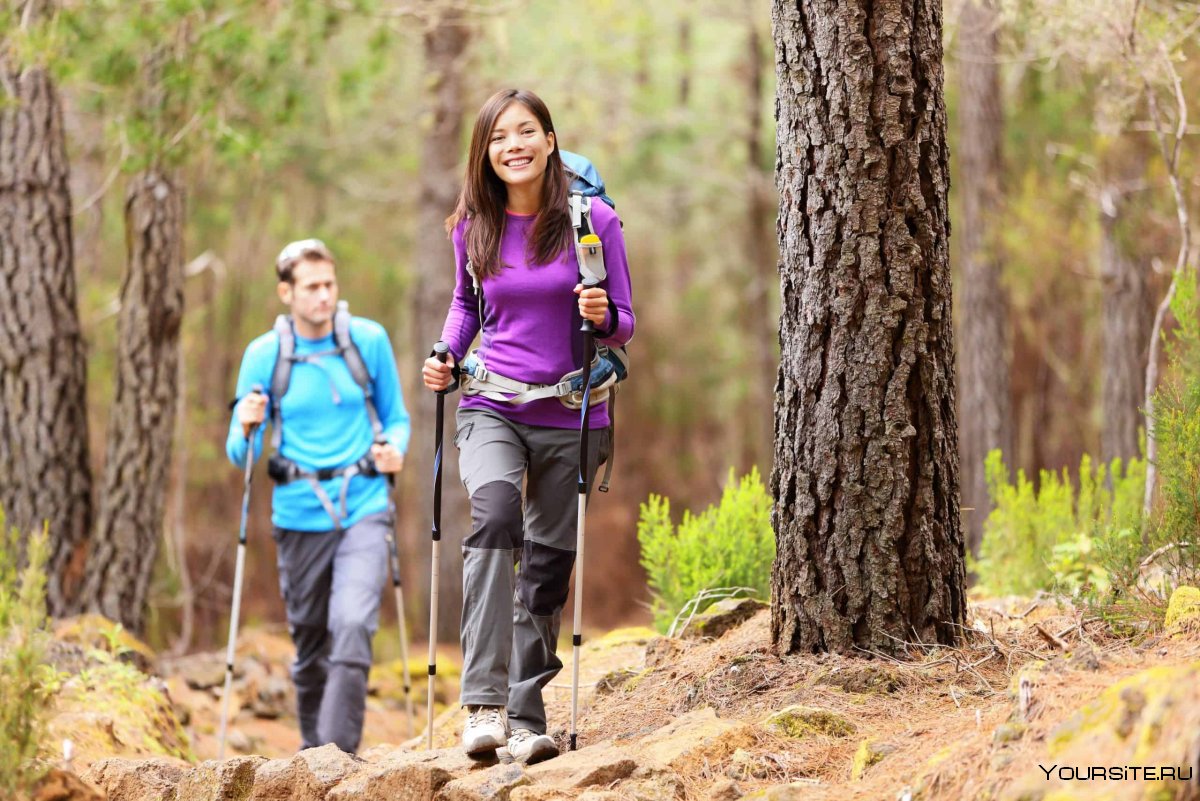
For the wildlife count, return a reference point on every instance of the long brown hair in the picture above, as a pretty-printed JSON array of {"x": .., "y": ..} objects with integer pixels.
[{"x": 483, "y": 195}]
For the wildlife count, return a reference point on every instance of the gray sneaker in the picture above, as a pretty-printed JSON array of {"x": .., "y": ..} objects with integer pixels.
[
  {"x": 527, "y": 746},
  {"x": 486, "y": 729}
]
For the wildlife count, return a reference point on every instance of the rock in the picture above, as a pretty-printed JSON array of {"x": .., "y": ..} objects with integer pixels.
[
  {"x": 494, "y": 784},
  {"x": 658, "y": 788},
  {"x": 203, "y": 671},
  {"x": 407, "y": 776},
  {"x": 743, "y": 766},
  {"x": 1007, "y": 733},
  {"x": 693, "y": 738},
  {"x": 721, "y": 617},
  {"x": 614, "y": 680},
  {"x": 600, "y": 764},
  {"x": 805, "y": 721},
  {"x": 273, "y": 697},
  {"x": 870, "y": 752},
  {"x": 1148, "y": 719},
  {"x": 228, "y": 780},
  {"x": 1084, "y": 657},
  {"x": 61, "y": 785},
  {"x": 797, "y": 791},
  {"x": 1183, "y": 613},
  {"x": 137, "y": 779},
  {"x": 308, "y": 776},
  {"x": 538, "y": 793},
  {"x": 863, "y": 679},
  {"x": 724, "y": 790}
]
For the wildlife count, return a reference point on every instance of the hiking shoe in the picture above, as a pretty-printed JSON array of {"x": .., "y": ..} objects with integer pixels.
[
  {"x": 486, "y": 729},
  {"x": 527, "y": 746}
]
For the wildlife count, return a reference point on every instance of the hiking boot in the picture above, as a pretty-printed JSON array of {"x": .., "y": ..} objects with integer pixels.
[
  {"x": 527, "y": 746},
  {"x": 486, "y": 729}
]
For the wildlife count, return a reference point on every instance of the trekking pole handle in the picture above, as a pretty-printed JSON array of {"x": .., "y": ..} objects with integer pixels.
[
  {"x": 588, "y": 326},
  {"x": 442, "y": 351}
]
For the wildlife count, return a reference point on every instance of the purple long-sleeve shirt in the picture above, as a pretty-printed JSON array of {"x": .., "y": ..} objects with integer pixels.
[{"x": 531, "y": 320}]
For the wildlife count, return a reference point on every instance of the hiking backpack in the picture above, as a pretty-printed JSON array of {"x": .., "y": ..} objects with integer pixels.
[{"x": 283, "y": 470}]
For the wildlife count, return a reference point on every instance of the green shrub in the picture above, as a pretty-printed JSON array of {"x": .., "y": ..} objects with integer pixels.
[
  {"x": 1057, "y": 536},
  {"x": 27, "y": 684},
  {"x": 731, "y": 544},
  {"x": 1177, "y": 426}
]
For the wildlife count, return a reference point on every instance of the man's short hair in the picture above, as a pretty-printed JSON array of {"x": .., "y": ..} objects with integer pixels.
[{"x": 300, "y": 250}]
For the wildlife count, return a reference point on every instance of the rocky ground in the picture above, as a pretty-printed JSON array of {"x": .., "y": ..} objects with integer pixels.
[{"x": 711, "y": 715}]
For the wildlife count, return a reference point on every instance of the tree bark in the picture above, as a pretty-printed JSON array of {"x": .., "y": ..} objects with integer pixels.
[
  {"x": 985, "y": 405},
  {"x": 45, "y": 476},
  {"x": 142, "y": 422},
  {"x": 866, "y": 513},
  {"x": 1126, "y": 326},
  {"x": 445, "y": 47}
]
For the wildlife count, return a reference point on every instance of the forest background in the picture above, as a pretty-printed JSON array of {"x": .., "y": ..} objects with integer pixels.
[{"x": 348, "y": 120}]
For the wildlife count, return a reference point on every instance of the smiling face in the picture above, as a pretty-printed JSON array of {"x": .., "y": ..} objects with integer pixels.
[{"x": 518, "y": 147}]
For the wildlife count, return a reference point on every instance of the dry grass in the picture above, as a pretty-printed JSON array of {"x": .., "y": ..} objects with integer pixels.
[{"x": 933, "y": 700}]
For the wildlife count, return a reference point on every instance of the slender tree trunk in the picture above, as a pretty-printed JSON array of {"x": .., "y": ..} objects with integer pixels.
[
  {"x": 985, "y": 405},
  {"x": 1126, "y": 324},
  {"x": 45, "y": 475},
  {"x": 142, "y": 422},
  {"x": 866, "y": 513},
  {"x": 446, "y": 46}
]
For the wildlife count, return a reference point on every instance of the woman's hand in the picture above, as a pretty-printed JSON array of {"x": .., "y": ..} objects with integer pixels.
[
  {"x": 593, "y": 304},
  {"x": 436, "y": 374}
]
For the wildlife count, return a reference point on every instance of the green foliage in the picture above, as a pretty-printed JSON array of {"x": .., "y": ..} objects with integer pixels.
[
  {"x": 730, "y": 544},
  {"x": 27, "y": 684},
  {"x": 1059, "y": 535},
  {"x": 1177, "y": 426}
]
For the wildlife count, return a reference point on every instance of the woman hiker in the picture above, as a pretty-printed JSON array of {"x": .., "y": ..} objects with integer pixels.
[{"x": 512, "y": 228}]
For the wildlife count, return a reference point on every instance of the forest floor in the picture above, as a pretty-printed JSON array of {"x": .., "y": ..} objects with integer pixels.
[{"x": 1035, "y": 683}]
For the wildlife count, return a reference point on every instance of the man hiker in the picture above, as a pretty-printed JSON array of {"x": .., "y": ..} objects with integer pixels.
[{"x": 328, "y": 383}]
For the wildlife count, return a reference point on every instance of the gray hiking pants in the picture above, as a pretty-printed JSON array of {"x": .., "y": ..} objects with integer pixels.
[
  {"x": 332, "y": 586},
  {"x": 510, "y": 620}
]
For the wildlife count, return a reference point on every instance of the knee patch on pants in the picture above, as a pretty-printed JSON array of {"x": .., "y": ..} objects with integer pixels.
[
  {"x": 497, "y": 517},
  {"x": 545, "y": 578}
]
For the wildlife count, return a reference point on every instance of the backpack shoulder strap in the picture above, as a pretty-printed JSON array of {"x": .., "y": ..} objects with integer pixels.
[
  {"x": 281, "y": 376},
  {"x": 354, "y": 362}
]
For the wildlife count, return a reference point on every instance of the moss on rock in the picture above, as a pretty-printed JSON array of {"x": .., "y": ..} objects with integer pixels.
[
  {"x": 805, "y": 721},
  {"x": 1183, "y": 612}
]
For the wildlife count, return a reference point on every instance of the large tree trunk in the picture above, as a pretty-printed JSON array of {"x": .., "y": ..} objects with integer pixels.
[
  {"x": 44, "y": 470},
  {"x": 1126, "y": 327},
  {"x": 446, "y": 45},
  {"x": 866, "y": 514},
  {"x": 985, "y": 404},
  {"x": 142, "y": 422}
]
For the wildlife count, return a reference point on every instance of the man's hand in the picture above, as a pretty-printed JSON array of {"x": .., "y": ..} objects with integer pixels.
[
  {"x": 387, "y": 458},
  {"x": 251, "y": 411}
]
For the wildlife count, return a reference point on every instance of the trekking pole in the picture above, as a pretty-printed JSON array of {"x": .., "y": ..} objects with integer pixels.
[
  {"x": 442, "y": 351},
  {"x": 589, "y": 347},
  {"x": 238, "y": 573},
  {"x": 394, "y": 558}
]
